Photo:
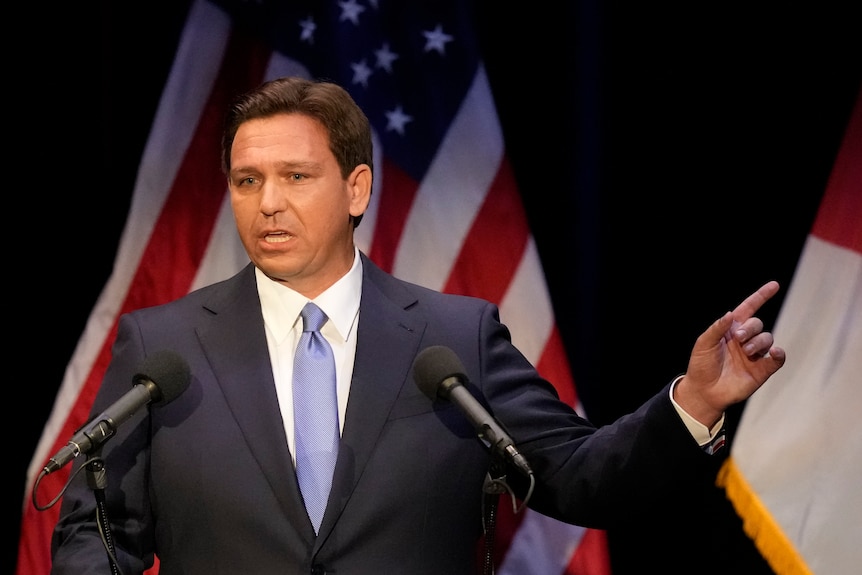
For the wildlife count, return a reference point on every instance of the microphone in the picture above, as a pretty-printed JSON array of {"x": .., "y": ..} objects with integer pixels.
[
  {"x": 161, "y": 378},
  {"x": 439, "y": 373}
]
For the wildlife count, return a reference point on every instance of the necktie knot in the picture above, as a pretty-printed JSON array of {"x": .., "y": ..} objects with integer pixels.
[{"x": 313, "y": 317}]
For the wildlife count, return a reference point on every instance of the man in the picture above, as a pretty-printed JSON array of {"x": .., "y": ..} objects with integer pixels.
[{"x": 209, "y": 482}]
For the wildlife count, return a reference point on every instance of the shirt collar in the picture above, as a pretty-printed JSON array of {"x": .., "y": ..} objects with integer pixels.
[{"x": 281, "y": 305}]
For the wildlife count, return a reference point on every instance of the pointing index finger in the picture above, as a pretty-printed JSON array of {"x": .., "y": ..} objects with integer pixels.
[{"x": 752, "y": 303}]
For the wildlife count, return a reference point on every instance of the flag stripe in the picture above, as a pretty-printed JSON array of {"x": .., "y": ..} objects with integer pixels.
[
  {"x": 495, "y": 244},
  {"x": 590, "y": 556},
  {"x": 183, "y": 230},
  {"x": 397, "y": 193},
  {"x": 554, "y": 366},
  {"x": 839, "y": 214},
  {"x": 452, "y": 190},
  {"x": 526, "y": 307},
  {"x": 558, "y": 543}
]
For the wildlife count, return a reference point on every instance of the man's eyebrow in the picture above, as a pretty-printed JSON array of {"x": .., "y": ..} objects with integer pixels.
[
  {"x": 241, "y": 171},
  {"x": 297, "y": 165}
]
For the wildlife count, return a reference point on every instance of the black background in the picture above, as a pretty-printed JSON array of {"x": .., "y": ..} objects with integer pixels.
[{"x": 671, "y": 159}]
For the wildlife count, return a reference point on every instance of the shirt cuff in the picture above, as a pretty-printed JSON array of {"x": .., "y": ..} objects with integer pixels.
[{"x": 701, "y": 433}]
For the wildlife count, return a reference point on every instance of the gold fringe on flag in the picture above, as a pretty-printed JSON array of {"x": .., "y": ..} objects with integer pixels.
[{"x": 759, "y": 524}]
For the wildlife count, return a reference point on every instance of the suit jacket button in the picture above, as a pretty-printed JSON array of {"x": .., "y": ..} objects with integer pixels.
[{"x": 318, "y": 570}]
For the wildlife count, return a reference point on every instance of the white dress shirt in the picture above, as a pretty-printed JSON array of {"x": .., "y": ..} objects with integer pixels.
[{"x": 281, "y": 307}]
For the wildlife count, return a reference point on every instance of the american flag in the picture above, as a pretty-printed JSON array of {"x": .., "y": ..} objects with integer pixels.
[{"x": 443, "y": 191}]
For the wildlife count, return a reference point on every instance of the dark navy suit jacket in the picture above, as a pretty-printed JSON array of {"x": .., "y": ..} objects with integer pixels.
[{"x": 206, "y": 481}]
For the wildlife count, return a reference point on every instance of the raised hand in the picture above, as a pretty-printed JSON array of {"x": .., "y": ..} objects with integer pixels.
[{"x": 730, "y": 360}]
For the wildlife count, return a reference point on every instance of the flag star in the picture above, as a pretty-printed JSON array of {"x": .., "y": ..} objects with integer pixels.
[
  {"x": 361, "y": 73},
  {"x": 385, "y": 57},
  {"x": 396, "y": 120},
  {"x": 308, "y": 28},
  {"x": 350, "y": 10},
  {"x": 436, "y": 39}
]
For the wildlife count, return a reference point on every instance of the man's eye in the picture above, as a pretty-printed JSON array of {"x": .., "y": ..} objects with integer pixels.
[
  {"x": 297, "y": 177},
  {"x": 246, "y": 181}
]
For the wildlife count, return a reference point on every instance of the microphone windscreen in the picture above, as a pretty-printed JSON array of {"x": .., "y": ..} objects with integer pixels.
[
  {"x": 433, "y": 365},
  {"x": 169, "y": 371}
]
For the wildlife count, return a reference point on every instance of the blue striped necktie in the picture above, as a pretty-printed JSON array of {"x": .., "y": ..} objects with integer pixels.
[{"x": 315, "y": 413}]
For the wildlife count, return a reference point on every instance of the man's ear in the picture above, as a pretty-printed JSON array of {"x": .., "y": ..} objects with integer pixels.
[{"x": 359, "y": 186}]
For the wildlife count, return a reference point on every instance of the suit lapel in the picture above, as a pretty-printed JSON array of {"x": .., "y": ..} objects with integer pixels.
[
  {"x": 234, "y": 340},
  {"x": 388, "y": 337},
  {"x": 235, "y": 344}
]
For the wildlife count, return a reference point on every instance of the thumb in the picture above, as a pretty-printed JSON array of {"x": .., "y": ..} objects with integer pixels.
[{"x": 718, "y": 331}]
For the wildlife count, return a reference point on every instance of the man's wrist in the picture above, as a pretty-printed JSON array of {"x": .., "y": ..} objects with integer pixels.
[
  {"x": 702, "y": 433},
  {"x": 693, "y": 404}
]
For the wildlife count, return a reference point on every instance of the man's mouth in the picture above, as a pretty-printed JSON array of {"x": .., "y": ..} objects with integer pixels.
[{"x": 277, "y": 238}]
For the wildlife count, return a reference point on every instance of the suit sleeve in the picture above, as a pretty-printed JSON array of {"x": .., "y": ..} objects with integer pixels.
[{"x": 595, "y": 477}]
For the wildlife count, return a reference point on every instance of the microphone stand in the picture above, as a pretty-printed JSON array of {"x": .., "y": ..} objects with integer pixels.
[
  {"x": 494, "y": 486},
  {"x": 97, "y": 480}
]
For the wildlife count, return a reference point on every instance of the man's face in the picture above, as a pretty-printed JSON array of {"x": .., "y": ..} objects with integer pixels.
[{"x": 291, "y": 205}]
